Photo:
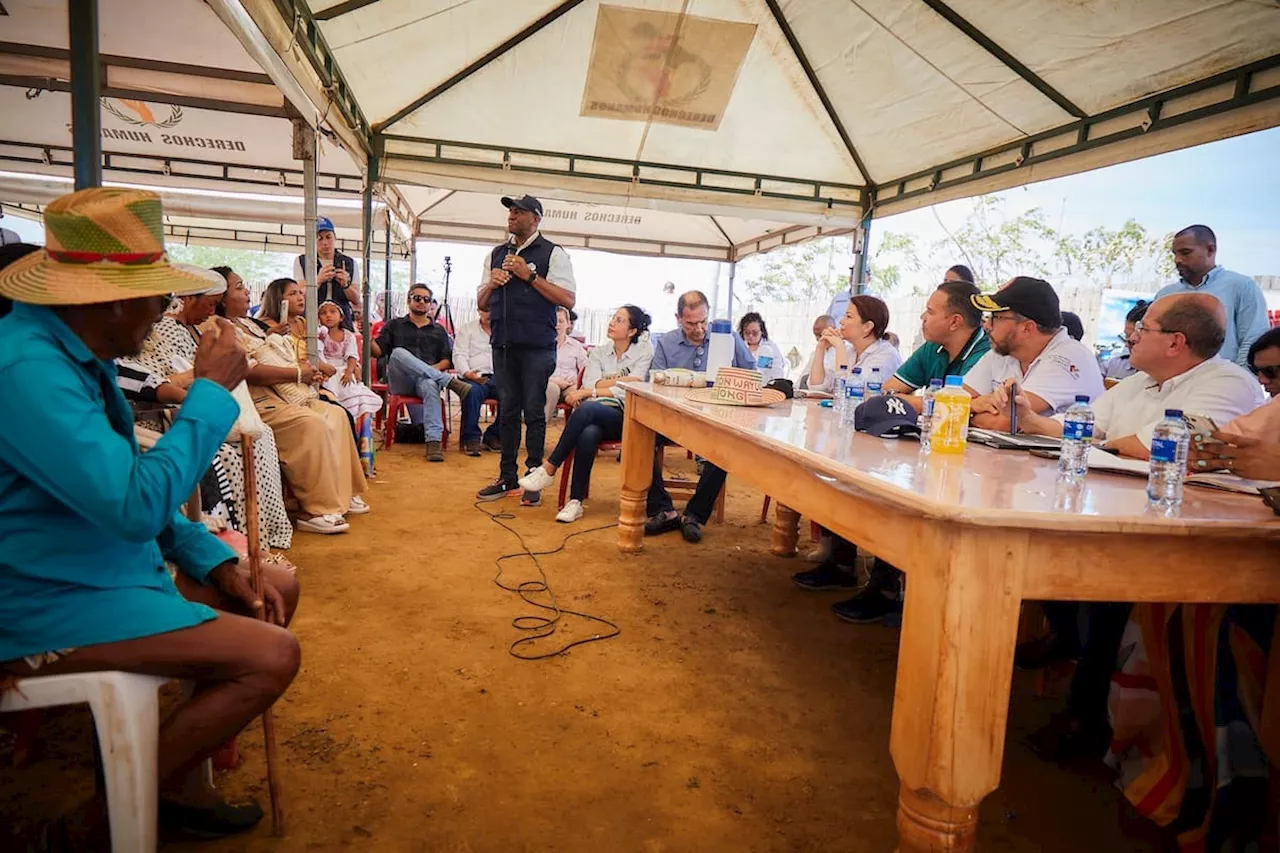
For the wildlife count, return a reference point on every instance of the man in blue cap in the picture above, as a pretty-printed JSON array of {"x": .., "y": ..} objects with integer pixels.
[
  {"x": 525, "y": 280},
  {"x": 339, "y": 278}
]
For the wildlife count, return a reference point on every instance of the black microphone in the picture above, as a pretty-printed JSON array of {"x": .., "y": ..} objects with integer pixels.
[{"x": 511, "y": 245}]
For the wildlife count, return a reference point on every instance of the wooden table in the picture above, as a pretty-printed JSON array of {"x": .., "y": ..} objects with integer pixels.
[{"x": 977, "y": 535}]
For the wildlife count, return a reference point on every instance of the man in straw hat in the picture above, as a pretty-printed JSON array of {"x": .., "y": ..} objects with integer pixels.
[{"x": 88, "y": 523}]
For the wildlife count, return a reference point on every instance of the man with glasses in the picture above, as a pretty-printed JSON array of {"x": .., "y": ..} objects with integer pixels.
[
  {"x": 687, "y": 347},
  {"x": 418, "y": 352},
  {"x": 1030, "y": 347},
  {"x": 1175, "y": 351}
]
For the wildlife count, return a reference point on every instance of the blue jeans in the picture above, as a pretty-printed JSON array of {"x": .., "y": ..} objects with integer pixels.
[
  {"x": 410, "y": 376},
  {"x": 522, "y": 375},
  {"x": 590, "y": 424},
  {"x": 488, "y": 390}
]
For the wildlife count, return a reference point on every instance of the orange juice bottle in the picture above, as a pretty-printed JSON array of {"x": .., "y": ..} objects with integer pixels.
[{"x": 949, "y": 427}]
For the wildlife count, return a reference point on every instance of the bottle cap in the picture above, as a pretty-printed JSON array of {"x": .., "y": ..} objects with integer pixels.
[
  {"x": 858, "y": 371},
  {"x": 1082, "y": 398},
  {"x": 935, "y": 383},
  {"x": 1176, "y": 414},
  {"x": 955, "y": 381},
  {"x": 721, "y": 327}
]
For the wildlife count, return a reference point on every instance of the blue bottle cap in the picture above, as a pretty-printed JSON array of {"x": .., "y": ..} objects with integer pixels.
[
  {"x": 857, "y": 371},
  {"x": 935, "y": 383},
  {"x": 1176, "y": 414},
  {"x": 955, "y": 381},
  {"x": 721, "y": 327},
  {"x": 1082, "y": 398}
]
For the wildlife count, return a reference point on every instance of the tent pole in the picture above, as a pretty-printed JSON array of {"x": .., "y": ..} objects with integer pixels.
[
  {"x": 304, "y": 149},
  {"x": 366, "y": 237},
  {"x": 733, "y": 271},
  {"x": 86, "y": 84},
  {"x": 387, "y": 211},
  {"x": 861, "y": 243}
]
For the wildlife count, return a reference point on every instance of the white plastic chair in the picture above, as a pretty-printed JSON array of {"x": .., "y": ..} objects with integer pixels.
[{"x": 126, "y": 714}]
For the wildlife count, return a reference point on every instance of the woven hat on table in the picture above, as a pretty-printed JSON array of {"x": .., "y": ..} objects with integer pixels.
[
  {"x": 103, "y": 244},
  {"x": 737, "y": 387}
]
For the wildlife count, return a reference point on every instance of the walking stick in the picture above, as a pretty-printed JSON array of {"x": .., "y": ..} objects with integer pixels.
[{"x": 255, "y": 577}]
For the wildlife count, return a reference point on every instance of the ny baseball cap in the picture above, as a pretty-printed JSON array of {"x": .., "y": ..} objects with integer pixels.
[
  {"x": 525, "y": 202},
  {"x": 886, "y": 417},
  {"x": 1033, "y": 298}
]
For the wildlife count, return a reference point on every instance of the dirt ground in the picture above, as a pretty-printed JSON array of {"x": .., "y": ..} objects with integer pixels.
[{"x": 733, "y": 712}]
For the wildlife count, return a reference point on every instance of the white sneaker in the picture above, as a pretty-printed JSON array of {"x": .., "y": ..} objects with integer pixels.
[
  {"x": 357, "y": 506},
  {"x": 537, "y": 480},
  {"x": 326, "y": 524},
  {"x": 572, "y": 512},
  {"x": 822, "y": 552}
]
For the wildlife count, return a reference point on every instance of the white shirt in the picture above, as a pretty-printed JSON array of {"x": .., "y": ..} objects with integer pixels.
[
  {"x": 603, "y": 363},
  {"x": 471, "y": 349},
  {"x": 1216, "y": 388},
  {"x": 778, "y": 365},
  {"x": 1064, "y": 368},
  {"x": 881, "y": 354},
  {"x": 560, "y": 274},
  {"x": 828, "y": 364}
]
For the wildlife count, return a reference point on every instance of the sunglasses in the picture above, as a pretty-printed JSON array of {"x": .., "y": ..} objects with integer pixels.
[
  {"x": 425, "y": 299},
  {"x": 1268, "y": 373}
]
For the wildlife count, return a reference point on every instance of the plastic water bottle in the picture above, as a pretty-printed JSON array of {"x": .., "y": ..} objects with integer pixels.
[
  {"x": 926, "y": 413},
  {"x": 875, "y": 387},
  {"x": 720, "y": 346},
  {"x": 853, "y": 394},
  {"x": 1077, "y": 437},
  {"x": 1169, "y": 444},
  {"x": 837, "y": 398},
  {"x": 950, "y": 423}
]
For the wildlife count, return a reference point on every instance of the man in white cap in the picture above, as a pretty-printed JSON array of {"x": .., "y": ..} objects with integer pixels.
[{"x": 88, "y": 522}]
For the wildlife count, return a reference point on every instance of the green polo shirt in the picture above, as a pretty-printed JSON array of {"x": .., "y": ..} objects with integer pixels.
[{"x": 930, "y": 362}]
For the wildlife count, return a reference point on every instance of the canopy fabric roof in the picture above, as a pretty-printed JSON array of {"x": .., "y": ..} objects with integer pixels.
[{"x": 787, "y": 110}]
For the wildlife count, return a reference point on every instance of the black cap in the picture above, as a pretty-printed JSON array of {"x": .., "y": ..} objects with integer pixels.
[
  {"x": 886, "y": 417},
  {"x": 525, "y": 202},
  {"x": 1033, "y": 298}
]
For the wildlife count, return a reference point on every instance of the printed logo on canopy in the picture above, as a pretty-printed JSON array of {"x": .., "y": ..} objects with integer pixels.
[{"x": 663, "y": 66}]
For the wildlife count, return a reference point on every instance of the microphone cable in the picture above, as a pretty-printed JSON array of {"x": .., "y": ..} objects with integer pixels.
[{"x": 539, "y": 594}]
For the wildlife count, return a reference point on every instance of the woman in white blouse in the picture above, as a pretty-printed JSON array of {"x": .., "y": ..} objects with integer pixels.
[
  {"x": 769, "y": 358},
  {"x": 861, "y": 339},
  {"x": 598, "y": 413}
]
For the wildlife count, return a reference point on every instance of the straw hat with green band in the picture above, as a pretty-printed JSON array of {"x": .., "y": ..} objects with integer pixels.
[{"x": 101, "y": 245}]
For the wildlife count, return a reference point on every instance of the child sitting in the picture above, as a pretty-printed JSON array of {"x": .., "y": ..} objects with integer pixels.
[{"x": 338, "y": 350}]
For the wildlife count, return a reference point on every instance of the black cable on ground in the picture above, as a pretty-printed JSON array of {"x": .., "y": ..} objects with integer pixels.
[{"x": 540, "y": 627}]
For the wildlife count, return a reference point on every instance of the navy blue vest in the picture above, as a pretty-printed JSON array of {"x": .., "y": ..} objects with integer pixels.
[
  {"x": 520, "y": 315},
  {"x": 331, "y": 290}
]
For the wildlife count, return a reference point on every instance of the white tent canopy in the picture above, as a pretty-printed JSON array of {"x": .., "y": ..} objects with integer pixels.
[{"x": 786, "y": 110}]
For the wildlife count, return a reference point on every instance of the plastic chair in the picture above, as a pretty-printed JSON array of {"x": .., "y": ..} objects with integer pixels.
[
  {"x": 126, "y": 715},
  {"x": 566, "y": 470}
]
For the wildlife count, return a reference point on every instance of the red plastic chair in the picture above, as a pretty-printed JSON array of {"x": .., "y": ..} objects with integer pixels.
[
  {"x": 396, "y": 403},
  {"x": 566, "y": 471}
]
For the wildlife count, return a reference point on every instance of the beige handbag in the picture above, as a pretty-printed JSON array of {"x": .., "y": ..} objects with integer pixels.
[{"x": 278, "y": 351}]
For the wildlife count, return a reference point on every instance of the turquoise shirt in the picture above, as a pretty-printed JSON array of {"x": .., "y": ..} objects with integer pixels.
[
  {"x": 931, "y": 361},
  {"x": 86, "y": 521},
  {"x": 1245, "y": 304}
]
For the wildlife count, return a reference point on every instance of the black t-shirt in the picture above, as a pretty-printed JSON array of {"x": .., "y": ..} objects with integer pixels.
[{"x": 428, "y": 344}]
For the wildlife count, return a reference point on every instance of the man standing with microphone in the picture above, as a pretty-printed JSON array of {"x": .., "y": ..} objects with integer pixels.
[{"x": 525, "y": 280}]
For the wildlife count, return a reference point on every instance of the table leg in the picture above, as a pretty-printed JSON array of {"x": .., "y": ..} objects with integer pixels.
[
  {"x": 786, "y": 531},
  {"x": 638, "y": 443},
  {"x": 951, "y": 700}
]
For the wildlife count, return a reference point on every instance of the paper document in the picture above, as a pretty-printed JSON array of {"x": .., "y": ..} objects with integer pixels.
[{"x": 1100, "y": 460}]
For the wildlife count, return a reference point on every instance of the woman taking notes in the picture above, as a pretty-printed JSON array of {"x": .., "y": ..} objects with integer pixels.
[{"x": 598, "y": 416}]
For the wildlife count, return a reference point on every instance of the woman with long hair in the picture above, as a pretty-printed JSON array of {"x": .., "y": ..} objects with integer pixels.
[
  {"x": 862, "y": 340},
  {"x": 769, "y": 358},
  {"x": 623, "y": 358},
  {"x": 317, "y": 449}
]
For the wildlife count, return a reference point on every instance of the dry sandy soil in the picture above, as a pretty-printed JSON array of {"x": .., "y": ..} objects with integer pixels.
[{"x": 733, "y": 712}]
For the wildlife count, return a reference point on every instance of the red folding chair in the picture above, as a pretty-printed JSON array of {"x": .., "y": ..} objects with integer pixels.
[{"x": 397, "y": 403}]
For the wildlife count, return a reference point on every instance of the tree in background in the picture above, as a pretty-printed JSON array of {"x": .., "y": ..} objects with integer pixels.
[
  {"x": 998, "y": 247},
  {"x": 256, "y": 267},
  {"x": 808, "y": 272},
  {"x": 1104, "y": 255},
  {"x": 892, "y": 255}
]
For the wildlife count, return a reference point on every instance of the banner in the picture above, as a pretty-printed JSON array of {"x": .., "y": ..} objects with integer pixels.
[{"x": 664, "y": 66}]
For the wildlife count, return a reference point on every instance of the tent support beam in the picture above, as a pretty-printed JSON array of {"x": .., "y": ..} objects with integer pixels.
[
  {"x": 1009, "y": 60},
  {"x": 86, "y": 83},
  {"x": 818, "y": 88},
  {"x": 366, "y": 237},
  {"x": 861, "y": 248},
  {"x": 342, "y": 9},
  {"x": 304, "y": 149},
  {"x": 532, "y": 29},
  {"x": 53, "y": 85},
  {"x": 1147, "y": 114},
  {"x": 386, "y": 277}
]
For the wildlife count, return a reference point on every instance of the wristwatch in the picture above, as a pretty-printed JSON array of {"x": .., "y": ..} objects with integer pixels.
[{"x": 533, "y": 276}]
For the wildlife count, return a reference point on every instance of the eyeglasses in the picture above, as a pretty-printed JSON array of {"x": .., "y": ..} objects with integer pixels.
[
  {"x": 1140, "y": 328},
  {"x": 424, "y": 299},
  {"x": 1269, "y": 373}
]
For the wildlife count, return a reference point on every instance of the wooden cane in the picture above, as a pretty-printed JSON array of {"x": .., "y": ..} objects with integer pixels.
[{"x": 255, "y": 576}]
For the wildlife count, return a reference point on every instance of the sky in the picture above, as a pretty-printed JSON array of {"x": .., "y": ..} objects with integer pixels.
[{"x": 1231, "y": 185}]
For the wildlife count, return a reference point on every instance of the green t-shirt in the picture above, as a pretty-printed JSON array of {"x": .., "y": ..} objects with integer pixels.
[{"x": 929, "y": 361}]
